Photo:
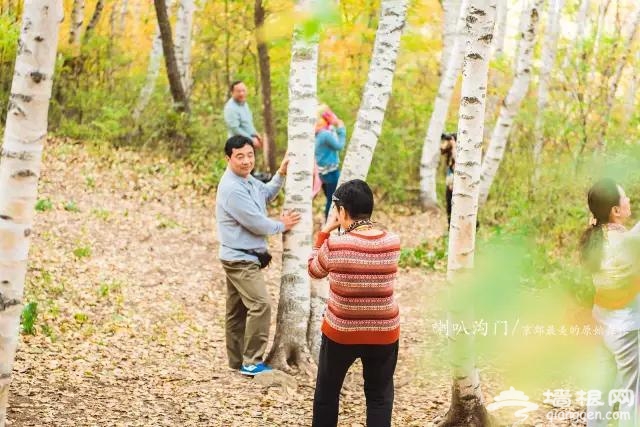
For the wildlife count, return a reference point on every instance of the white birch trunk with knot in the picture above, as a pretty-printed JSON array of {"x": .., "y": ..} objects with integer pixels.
[
  {"x": 294, "y": 308},
  {"x": 511, "y": 103},
  {"x": 184, "y": 30},
  {"x": 377, "y": 90},
  {"x": 431, "y": 147},
  {"x": 549, "y": 50},
  {"x": 467, "y": 406},
  {"x": 77, "y": 19},
  {"x": 24, "y": 136},
  {"x": 451, "y": 15}
]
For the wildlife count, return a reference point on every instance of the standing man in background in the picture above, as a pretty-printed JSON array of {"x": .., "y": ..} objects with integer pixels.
[{"x": 237, "y": 114}]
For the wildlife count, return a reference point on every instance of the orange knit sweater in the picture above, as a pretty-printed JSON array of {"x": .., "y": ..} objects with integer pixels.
[{"x": 362, "y": 272}]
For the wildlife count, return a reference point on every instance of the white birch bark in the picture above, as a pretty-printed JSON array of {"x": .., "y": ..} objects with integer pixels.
[
  {"x": 367, "y": 129},
  {"x": 153, "y": 69},
  {"x": 632, "y": 30},
  {"x": 290, "y": 343},
  {"x": 431, "y": 146},
  {"x": 602, "y": 16},
  {"x": 184, "y": 28},
  {"x": 522, "y": 27},
  {"x": 451, "y": 15},
  {"x": 582, "y": 20},
  {"x": 511, "y": 104},
  {"x": 467, "y": 406},
  {"x": 77, "y": 19},
  {"x": 549, "y": 50},
  {"x": 500, "y": 27},
  {"x": 24, "y": 136}
]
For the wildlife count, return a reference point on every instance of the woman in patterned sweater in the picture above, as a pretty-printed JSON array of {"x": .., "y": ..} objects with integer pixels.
[{"x": 362, "y": 318}]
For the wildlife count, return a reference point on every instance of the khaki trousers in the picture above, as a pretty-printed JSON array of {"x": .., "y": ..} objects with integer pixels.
[{"x": 248, "y": 313}]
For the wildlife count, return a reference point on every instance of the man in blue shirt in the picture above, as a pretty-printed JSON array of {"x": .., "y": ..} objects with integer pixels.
[
  {"x": 243, "y": 224},
  {"x": 237, "y": 115}
]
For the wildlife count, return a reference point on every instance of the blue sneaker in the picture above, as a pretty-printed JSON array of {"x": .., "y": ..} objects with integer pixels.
[{"x": 253, "y": 370}]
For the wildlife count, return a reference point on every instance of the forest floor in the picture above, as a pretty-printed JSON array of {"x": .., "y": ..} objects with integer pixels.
[{"x": 130, "y": 327}]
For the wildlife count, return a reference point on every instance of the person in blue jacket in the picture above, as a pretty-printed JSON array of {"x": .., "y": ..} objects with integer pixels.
[{"x": 331, "y": 136}]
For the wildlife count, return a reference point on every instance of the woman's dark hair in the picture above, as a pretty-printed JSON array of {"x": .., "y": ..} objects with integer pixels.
[
  {"x": 448, "y": 136},
  {"x": 602, "y": 197},
  {"x": 236, "y": 141},
  {"x": 356, "y": 198},
  {"x": 232, "y": 86}
]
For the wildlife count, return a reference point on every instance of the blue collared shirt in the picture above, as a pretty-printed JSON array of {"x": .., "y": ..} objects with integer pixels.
[
  {"x": 239, "y": 119},
  {"x": 241, "y": 215}
]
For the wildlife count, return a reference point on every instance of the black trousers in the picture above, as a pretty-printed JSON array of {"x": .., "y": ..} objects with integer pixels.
[
  {"x": 378, "y": 363},
  {"x": 449, "y": 197}
]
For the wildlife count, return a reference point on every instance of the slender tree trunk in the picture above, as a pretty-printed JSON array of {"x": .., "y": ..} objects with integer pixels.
[
  {"x": 467, "y": 405},
  {"x": 357, "y": 160},
  {"x": 511, "y": 103},
  {"x": 500, "y": 27},
  {"x": 77, "y": 19},
  {"x": 582, "y": 20},
  {"x": 549, "y": 49},
  {"x": 24, "y": 136},
  {"x": 124, "y": 7},
  {"x": 632, "y": 93},
  {"x": 602, "y": 15},
  {"x": 227, "y": 43},
  {"x": 615, "y": 81},
  {"x": 184, "y": 29},
  {"x": 112, "y": 20},
  {"x": 522, "y": 27},
  {"x": 177, "y": 91},
  {"x": 265, "y": 86},
  {"x": 290, "y": 343},
  {"x": 451, "y": 12},
  {"x": 153, "y": 69},
  {"x": 95, "y": 18},
  {"x": 431, "y": 146}
]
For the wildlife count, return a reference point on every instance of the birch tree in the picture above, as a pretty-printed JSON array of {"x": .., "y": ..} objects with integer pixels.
[
  {"x": 582, "y": 20},
  {"x": 184, "y": 28},
  {"x": 500, "y": 27},
  {"x": 153, "y": 69},
  {"x": 511, "y": 104},
  {"x": 95, "y": 18},
  {"x": 431, "y": 146},
  {"x": 467, "y": 406},
  {"x": 175, "y": 84},
  {"x": 290, "y": 343},
  {"x": 24, "y": 136},
  {"x": 393, "y": 14},
  {"x": 632, "y": 30},
  {"x": 549, "y": 50},
  {"x": 77, "y": 19},
  {"x": 602, "y": 16},
  {"x": 451, "y": 15}
]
